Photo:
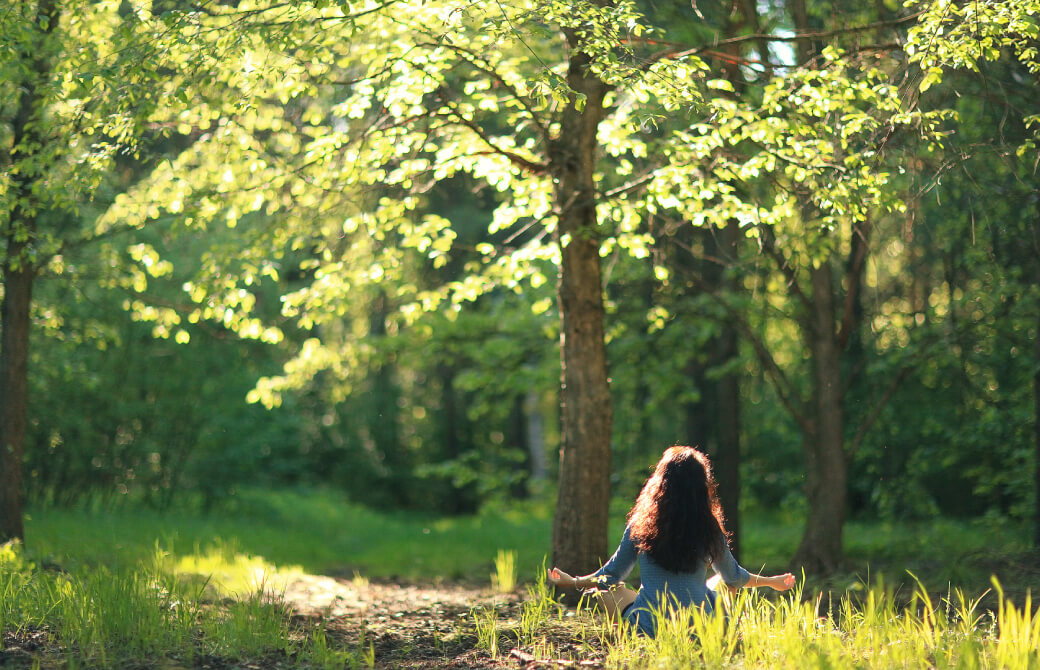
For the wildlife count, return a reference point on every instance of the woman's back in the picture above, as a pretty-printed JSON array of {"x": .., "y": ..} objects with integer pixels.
[{"x": 660, "y": 586}]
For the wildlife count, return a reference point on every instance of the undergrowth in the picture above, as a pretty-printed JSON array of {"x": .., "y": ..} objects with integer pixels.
[
  {"x": 129, "y": 587},
  {"x": 99, "y": 617},
  {"x": 873, "y": 629}
]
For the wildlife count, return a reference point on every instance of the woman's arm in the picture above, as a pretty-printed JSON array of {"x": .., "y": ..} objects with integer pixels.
[
  {"x": 736, "y": 577},
  {"x": 779, "y": 582},
  {"x": 613, "y": 571},
  {"x": 558, "y": 577}
]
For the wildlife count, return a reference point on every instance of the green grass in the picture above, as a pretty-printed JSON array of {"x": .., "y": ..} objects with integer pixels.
[
  {"x": 318, "y": 532},
  {"x": 107, "y": 588},
  {"x": 873, "y": 630},
  {"x": 102, "y": 617}
]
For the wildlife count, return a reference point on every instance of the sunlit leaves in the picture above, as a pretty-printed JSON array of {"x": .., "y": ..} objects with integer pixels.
[
  {"x": 961, "y": 35},
  {"x": 313, "y": 141},
  {"x": 817, "y": 133}
]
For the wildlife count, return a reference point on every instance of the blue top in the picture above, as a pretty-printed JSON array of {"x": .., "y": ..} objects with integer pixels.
[{"x": 687, "y": 589}]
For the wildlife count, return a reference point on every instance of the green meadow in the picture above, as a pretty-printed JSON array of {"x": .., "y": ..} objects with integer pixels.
[{"x": 122, "y": 587}]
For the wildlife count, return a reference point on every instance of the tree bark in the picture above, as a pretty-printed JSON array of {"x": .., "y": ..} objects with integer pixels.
[
  {"x": 580, "y": 537},
  {"x": 1036, "y": 389},
  {"x": 713, "y": 420},
  {"x": 14, "y": 392},
  {"x": 727, "y": 460},
  {"x": 825, "y": 462}
]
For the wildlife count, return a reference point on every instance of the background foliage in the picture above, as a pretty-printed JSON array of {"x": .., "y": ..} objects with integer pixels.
[{"x": 325, "y": 261}]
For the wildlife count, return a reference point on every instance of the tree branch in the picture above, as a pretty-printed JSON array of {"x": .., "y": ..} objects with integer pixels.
[
  {"x": 484, "y": 66},
  {"x": 785, "y": 390},
  {"x": 681, "y": 51},
  {"x": 854, "y": 281},
  {"x": 773, "y": 250},
  {"x": 515, "y": 158}
]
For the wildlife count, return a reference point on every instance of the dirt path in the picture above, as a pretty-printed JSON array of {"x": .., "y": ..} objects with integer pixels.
[
  {"x": 387, "y": 624},
  {"x": 422, "y": 627}
]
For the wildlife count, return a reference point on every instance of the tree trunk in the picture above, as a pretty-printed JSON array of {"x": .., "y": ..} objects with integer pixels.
[
  {"x": 580, "y": 523},
  {"x": 535, "y": 432},
  {"x": 14, "y": 391},
  {"x": 713, "y": 420},
  {"x": 1036, "y": 388},
  {"x": 18, "y": 275},
  {"x": 825, "y": 462},
  {"x": 727, "y": 460}
]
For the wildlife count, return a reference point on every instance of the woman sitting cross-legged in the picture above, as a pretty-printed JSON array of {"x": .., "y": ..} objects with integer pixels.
[{"x": 676, "y": 531}]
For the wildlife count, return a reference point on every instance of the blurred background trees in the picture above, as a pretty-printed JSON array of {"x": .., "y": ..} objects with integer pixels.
[{"x": 326, "y": 254}]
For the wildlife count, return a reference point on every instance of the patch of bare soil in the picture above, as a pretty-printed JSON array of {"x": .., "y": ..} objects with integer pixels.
[
  {"x": 422, "y": 627},
  {"x": 403, "y": 625}
]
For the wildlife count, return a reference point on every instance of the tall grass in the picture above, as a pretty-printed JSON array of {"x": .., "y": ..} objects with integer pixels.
[
  {"x": 504, "y": 577},
  {"x": 125, "y": 585},
  {"x": 874, "y": 629},
  {"x": 102, "y": 617},
  {"x": 105, "y": 616}
]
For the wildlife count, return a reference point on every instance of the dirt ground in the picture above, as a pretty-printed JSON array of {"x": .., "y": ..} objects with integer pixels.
[
  {"x": 418, "y": 626},
  {"x": 421, "y": 627},
  {"x": 406, "y": 626}
]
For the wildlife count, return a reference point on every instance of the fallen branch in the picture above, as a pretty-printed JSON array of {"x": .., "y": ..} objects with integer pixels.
[{"x": 529, "y": 661}]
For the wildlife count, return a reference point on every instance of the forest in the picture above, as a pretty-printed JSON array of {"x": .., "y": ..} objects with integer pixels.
[{"x": 443, "y": 259}]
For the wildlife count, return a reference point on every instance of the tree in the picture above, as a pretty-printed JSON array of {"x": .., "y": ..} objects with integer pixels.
[
  {"x": 520, "y": 110},
  {"x": 580, "y": 522},
  {"x": 802, "y": 171},
  {"x": 558, "y": 126},
  {"x": 90, "y": 83},
  {"x": 37, "y": 174},
  {"x": 974, "y": 34}
]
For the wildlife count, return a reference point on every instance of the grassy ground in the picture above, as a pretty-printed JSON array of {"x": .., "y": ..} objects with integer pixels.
[{"x": 308, "y": 580}]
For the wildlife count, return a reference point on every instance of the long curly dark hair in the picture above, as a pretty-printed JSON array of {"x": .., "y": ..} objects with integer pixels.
[{"x": 677, "y": 519}]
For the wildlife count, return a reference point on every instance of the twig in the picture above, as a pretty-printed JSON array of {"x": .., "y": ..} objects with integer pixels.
[{"x": 529, "y": 661}]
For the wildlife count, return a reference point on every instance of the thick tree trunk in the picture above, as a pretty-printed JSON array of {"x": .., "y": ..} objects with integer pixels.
[
  {"x": 14, "y": 390},
  {"x": 825, "y": 462},
  {"x": 580, "y": 541}
]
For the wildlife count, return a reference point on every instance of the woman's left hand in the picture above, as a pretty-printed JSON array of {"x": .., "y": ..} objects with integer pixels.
[{"x": 558, "y": 577}]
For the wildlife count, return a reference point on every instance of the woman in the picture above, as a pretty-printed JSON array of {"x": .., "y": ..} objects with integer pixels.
[{"x": 676, "y": 531}]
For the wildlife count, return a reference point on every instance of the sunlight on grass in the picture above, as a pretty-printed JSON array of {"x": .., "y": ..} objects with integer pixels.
[
  {"x": 870, "y": 629},
  {"x": 504, "y": 578},
  {"x": 107, "y": 588},
  {"x": 319, "y": 531},
  {"x": 126, "y": 616},
  {"x": 324, "y": 533},
  {"x": 229, "y": 573}
]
